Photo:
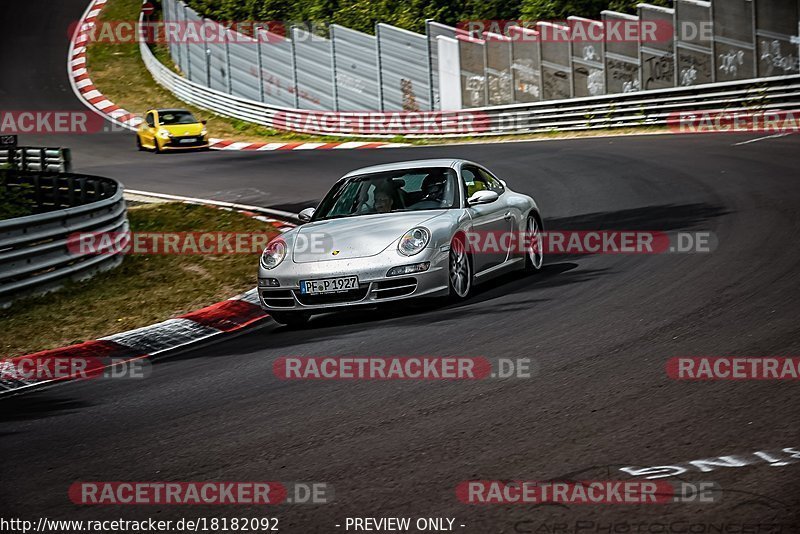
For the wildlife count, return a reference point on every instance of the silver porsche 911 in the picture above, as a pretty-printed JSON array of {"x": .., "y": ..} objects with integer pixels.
[{"x": 399, "y": 231}]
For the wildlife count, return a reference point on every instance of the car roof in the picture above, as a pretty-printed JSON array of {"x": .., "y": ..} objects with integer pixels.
[
  {"x": 414, "y": 164},
  {"x": 170, "y": 110}
]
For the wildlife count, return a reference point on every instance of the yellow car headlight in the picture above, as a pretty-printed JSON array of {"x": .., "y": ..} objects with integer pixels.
[{"x": 163, "y": 134}]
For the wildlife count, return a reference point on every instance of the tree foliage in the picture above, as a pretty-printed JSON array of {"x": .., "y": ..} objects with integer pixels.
[{"x": 409, "y": 14}]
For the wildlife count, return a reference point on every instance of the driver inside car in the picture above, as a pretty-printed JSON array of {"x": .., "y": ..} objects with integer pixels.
[
  {"x": 383, "y": 202},
  {"x": 433, "y": 191}
]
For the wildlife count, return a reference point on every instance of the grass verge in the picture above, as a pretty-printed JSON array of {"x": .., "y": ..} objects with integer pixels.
[
  {"x": 118, "y": 72},
  {"x": 143, "y": 290}
]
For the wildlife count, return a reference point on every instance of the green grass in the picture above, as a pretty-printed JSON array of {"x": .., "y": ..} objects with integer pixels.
[
  {"x": 118, "y": 72},
  {"x": 143, "y": 290}
]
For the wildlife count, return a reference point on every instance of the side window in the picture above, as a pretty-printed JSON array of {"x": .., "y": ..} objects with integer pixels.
[
  {"x": 492, "y": 183},
  {"x": 477, "y": 179},
  {"x": 473, "y": 181},
  {"x": 150, "y": 120}
]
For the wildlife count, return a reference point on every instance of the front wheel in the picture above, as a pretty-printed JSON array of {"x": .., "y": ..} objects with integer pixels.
[
  {"x": 156, "y": 146},
  {"x": 460, "y": 275},
  {"x": 139, "y": 143},
  {"x": 534, "y": 253},
  {"x": 291, "y": 319}
]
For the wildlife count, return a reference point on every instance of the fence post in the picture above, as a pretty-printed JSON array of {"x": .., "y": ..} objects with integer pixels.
[
  {"x": 380, "y": 68},
  {"x": 184, "y": 34},
  {"x": 295, "y": 88},
  {"x": 334, "y": 77},
  {"x": 261, "y": 92},
  {"x": 228, "y": 61}
]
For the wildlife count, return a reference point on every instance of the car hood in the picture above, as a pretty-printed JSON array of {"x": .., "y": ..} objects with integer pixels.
[
  {"x": 181, "y": 130},
  {"x": 354, "y": 237}
]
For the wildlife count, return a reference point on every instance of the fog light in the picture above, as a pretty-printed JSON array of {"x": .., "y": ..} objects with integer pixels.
[
  {"x": 268, "y": 282},
  {"x": 409, "y": 269}
]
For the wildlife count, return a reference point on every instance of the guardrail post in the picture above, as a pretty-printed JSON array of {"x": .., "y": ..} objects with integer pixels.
[{"x": 66, "y": 157}]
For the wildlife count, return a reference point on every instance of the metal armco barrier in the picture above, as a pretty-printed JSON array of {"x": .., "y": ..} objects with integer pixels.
[
  {"x": 497, "y": 62},
  {"x": 605, "y": 111},
  {"x": 37, "y": 159},
  {"x": 34, "y": 254}
]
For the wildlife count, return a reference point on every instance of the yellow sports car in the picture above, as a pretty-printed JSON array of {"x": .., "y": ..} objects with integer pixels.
[{"x": 171, "y": 129}]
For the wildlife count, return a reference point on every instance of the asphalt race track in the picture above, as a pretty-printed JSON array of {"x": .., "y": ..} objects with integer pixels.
[{"x": 600, "y": 327}]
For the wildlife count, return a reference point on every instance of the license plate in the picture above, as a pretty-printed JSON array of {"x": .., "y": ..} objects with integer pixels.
[
  {"x": 188, "y": 140},
  {"x": 329, "y": 285}
]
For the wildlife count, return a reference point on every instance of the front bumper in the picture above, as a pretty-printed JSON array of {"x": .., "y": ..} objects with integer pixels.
[
  {"x": 374, "y": 286},
  {"x": 174, "y": 143}
]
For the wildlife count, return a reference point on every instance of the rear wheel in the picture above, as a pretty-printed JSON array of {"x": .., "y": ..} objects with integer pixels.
[
  {"x": 534, "y": 254},
  {"x": 291, "y": 319},
  {"x": 460, "y": 270}
]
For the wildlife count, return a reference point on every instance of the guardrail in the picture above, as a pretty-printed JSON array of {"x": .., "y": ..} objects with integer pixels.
[
  {"x": 34, "y": 252},
  {"x": 27, "y": 158},
  {"x": 605, "y": 111}
]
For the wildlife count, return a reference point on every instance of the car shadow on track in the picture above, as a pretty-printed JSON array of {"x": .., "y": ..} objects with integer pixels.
[
  {"x": 662, "y": 217},
  {"x": 333, "y": 325},
  {"x": 559, "y": 271},
  {"x": 37, "y": 405}
]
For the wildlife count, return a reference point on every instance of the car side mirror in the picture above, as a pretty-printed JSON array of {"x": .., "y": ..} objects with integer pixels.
[
  {"x": 204, "y": 122},
  {"x": 504, "y": 183},
  {"x": 306, "y": 214},
  {"x": 482, "y": 197}
]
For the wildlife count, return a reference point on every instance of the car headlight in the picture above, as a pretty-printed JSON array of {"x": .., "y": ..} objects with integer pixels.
[
  {"x": 163, "y": 134},
  {"x": 274, "y": 254},
  {"x": 414, "y": 241},
  {"x": 203, "y": 132}
]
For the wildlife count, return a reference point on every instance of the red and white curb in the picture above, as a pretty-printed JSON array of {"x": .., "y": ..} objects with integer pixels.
[
  {"x": 147, "y": 342},
  {"x": 95, "y": 100}
]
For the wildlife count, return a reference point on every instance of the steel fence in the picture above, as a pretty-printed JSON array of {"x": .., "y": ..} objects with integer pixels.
[
  {"x": 699, "y": 42},
  {"x": 35, "y": 255},
  {"x": 615, "y": 110}
]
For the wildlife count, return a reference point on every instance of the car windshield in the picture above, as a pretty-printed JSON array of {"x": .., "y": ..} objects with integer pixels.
[
  {"x": 389, "y": 192},
  {"x": 176, "y": 117}
]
